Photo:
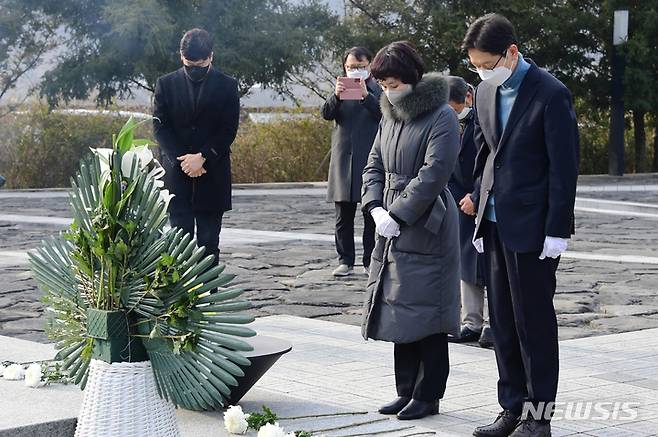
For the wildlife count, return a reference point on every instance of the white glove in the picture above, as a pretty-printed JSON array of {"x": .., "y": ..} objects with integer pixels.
[
  {"x": 385, "y": 225},
  {"x": 479, "y": 245},
  {"x": 553, "y": 247}
]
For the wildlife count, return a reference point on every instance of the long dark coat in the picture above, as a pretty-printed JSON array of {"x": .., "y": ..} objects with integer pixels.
[
  {"x": 356, "y": 124},
  {"x": 209, "y": 127},
  {"x": 461, "y": 184},
  {"x": 413, "y": 288}
]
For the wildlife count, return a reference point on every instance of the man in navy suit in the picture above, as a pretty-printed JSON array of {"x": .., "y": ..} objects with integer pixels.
[{"x": 526, "y": 171}]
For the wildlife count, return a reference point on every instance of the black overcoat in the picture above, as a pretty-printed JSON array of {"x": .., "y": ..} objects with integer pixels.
[{"x": 209, "y": 126}]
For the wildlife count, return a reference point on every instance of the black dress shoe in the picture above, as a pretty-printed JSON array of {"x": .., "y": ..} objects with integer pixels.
[
  {"x": 531, "y": 428},
  {"x": 467, "y": 335},
  {"x": 418, "y": 409},
  {"x": 486, "y": 338},
  {"x": 503, "y": 426},
  {"x": 395, "y": 406}
]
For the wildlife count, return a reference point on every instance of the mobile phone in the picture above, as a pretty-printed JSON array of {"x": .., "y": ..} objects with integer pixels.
[{"x": 352, "y": 88}]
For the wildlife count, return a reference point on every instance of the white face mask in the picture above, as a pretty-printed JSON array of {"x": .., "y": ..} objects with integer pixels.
[
  {"x": 396, "y": 96},
  {"x": 361, "y": 73},
  {"x": 497, "y": 76},
  {"x": 464, "y": 113}
]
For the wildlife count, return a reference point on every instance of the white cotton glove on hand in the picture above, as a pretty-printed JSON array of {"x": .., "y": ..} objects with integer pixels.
[
  {"x": 553, "y": 247},
  {"x": 479, "y": 245},
  {"x": 385, "y": 225}
]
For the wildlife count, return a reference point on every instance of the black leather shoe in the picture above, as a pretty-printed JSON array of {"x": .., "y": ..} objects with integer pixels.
[
  {"x": 395, "y": 406},
  {"x": 418, "y": 409},
  {"x": 532, "y": 428},
  {"x": 467, "y": 335},
  {"x": 503, "y": 426},
  {"x": 486, "y": 338}
]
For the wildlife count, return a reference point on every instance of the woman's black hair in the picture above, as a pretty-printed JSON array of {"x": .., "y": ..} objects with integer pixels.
[
  {"x": 399, "y": 60},
  {"x": 491, "y": 33},
  {"x": 196, "y": 45},
  {"x": 458, "y": 89},
  {"x": 359, "y": 53}
]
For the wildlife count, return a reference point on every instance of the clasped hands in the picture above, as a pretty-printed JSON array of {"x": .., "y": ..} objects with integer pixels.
[
  {"x": 192, "y": 164},
  {"x": 385, "y": 225}
]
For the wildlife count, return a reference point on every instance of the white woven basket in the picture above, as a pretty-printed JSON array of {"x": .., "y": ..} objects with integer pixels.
[{"x": 121, "y": 400}]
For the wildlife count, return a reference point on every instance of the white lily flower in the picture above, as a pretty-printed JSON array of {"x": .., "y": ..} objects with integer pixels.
[
  {"x": 104, "y": 155},
  {"x": 127, "y": 163},
  {"x": 158, "y": 171},
  {"x": 166, "y": 197},
  {"x": 145, "y": 155}
]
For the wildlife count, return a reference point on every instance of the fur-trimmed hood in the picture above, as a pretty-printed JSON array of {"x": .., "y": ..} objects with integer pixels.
[{"x": 428, "y": 94}]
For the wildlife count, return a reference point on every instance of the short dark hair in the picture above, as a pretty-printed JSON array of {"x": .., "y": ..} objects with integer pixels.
[
  {"x": 458, "y": 89},
  {"x": 196, "y": 45},
  {"x": 492, "y": 33},
  {"x": 400, "y": 60},
  {"x": 359, "y": 53}
]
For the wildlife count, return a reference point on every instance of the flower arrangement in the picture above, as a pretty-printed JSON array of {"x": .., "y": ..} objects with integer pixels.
[{"x": 121, "y": 287}]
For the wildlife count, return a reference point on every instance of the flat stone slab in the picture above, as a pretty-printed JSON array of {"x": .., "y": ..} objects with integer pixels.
[
  {"x": 23, "y": 351},
  {"x": 278, "y": 241},
  {"x": 331, "y": 369}
]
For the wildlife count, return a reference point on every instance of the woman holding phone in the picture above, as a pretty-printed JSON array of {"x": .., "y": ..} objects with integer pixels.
[
  {"x": 354, "y": 108},
  {"x": 413, "y": 288}
]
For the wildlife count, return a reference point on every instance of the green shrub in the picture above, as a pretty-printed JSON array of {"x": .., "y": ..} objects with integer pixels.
[
  {"x": 290, "y": 150},
  {"x": 42, "y": 148},
  {"x": 594, "y": 129}
]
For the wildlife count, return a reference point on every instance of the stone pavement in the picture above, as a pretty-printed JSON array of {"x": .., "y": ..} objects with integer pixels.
[
  {"x": 278, "y": 240},
  {"x": 332, "y": 369}
]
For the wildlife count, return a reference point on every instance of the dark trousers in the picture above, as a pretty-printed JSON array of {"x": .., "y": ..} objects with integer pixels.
[
  {"x": 520, "y": 290},
  {"x": 208, "y": 227},
  {"x": 422, "y": 367},
  {"x": 345, "y": 213}
]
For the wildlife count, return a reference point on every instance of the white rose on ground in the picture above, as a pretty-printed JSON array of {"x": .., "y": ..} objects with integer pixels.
[
  {"x": 235, "y": 420},
  {"x": 33, "y": 375},
  {"x": 14, "y": 372},
  {"x": 270, "y": 430}
]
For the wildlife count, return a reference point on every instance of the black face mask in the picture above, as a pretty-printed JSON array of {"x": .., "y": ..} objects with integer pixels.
[{"x": 197, "y": 74}]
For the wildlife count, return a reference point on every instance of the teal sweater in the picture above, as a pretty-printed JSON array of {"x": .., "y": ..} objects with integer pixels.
[{"x": 506, "y": 96}]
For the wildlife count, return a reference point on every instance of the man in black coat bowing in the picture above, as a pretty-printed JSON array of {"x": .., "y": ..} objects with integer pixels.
[
  {"x": 526, "y": 171},
  {"x": 196, "y": 112}
]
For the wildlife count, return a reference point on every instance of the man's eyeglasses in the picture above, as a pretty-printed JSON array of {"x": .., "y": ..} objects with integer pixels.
[{"x": 474, "y": 69}]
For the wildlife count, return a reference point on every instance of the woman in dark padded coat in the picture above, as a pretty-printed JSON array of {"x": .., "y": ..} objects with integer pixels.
[{"x": 413, "y": 288}]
